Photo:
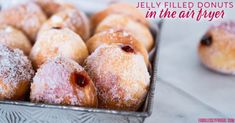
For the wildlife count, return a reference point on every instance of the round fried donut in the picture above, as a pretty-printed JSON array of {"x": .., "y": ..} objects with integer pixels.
[
  {"x": 51, "y": 7},
  {"x": 137, "y": 30},
  {"x": 16, "y": 73},
  {"x": 14, "y": 38},
  {"x": 217, "y": 48},
  {"x": 120, "y": 76},
  {"x": 73, "y": 19},
  {"x": 27, "y": 17},
  {"x": 58, "y": 42},
  {"x": 116, "y": 36},
  {"x": 63, "y": 81},
  {"x": 119, "y": 8}
]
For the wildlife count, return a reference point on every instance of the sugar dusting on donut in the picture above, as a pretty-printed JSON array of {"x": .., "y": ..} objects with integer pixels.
[
  {"x": 27, "y": 16},
  {"x": 50, "y": 80},
  {"x": 14, "y": 66},
  {"x": 56, "y": 83},
  {"x": 111, "y": 69},
  {"x": 228, "y": 26},
  {"x": 33, "y": 14},
  {"x": 8, "y": 29},
  {"x": 56, "y": 19}
]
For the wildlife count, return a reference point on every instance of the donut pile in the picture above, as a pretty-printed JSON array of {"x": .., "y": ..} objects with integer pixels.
[{"x": 50, "y": 52}]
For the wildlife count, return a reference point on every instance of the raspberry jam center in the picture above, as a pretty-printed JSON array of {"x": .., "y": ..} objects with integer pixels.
[
  {"x": 128, "y": 49},
  {"x": 206, "y": 40},
  {"x": 56, "y": 27},
  {"x": 79, "y": 79}
]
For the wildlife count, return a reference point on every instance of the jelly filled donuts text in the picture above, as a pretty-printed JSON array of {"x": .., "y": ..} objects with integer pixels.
[{"x": 186, "y": 10}]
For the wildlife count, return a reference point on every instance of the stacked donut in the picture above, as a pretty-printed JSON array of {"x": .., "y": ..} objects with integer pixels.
[
  {"x": 69, "y": 66},
  {"x": 119, "y": 57}
]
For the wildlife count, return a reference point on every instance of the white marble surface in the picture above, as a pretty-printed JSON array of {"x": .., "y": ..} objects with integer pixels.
[{"x": 185, "y": 89}]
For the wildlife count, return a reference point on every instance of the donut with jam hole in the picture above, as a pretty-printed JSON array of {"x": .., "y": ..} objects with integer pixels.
[
  {"x": 137, "y": 30},
  {"x": 217, "y": 48},
  {"x": 120, "y": 76},
  {"x": 116, "y": 36},
  {"x": 63, "y": 81}
]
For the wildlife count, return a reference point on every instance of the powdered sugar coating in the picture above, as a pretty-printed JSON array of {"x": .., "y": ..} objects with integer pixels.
[
  {"x": 119, "y": 8},
  {"x": 58, "y": 42},
  {"x": 14, "y": 38},
  {"x": 14, "y": 65},
  {"x": 218, "y": 51},
  {"x": 137, "y": 30},
  {"x": 121, "y": 77},
  {"x": 28, "y": 17},
  {"x": 52, "y": 84},
  {"x": 51, "y": 7},
  {"x": 56, "y": 19},
  {"x": 228, "y": 26},
  {"x": 113, "y": 36},
  {"x": 8, "y": 29},
  {"x": 15, "y": 69},
  {"x": 73, "y": 19}
]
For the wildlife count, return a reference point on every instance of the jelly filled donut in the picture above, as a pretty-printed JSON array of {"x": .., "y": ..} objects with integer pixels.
[
  {"x": 58, "y": 42},
  {"x": 63, "y": 81},
  {"x": 73, "y": 19},
  {"x": 120, "y": 76},
  {"x": 119, "y": 8},
  {"x": 27, "y": 17},
  {"x": 116, "y": 36},
  {"x": 217, "y": 48},
  {"x": 14, "y": 38},
  {"x": 137, "y": 30},
  {"x": 16, "y": 73},
  {"x": 51, "y": 7}
]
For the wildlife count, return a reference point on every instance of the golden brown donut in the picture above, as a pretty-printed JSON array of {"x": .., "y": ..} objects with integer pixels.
[
  {"x": 137, "y": 30},
  {"x": 116, "y": 36},
  {"x": 14, "y": 38},
  {"x": 63, "y": 81},
  {"x": 27, "y": 17},
  {"x": 73, "y": 19},
  {"x": 217, "y": 48},
  {"x": 16, "y": 73},
  {"x": 51, "y": 7},
  {"x": 119, "y": 8},
  {"x": 58, "y": 42},
  {"x": 120, "y": 76}
]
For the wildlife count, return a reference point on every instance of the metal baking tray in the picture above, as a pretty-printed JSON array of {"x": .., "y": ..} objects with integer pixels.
[{"x": 27, "y": 112}]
